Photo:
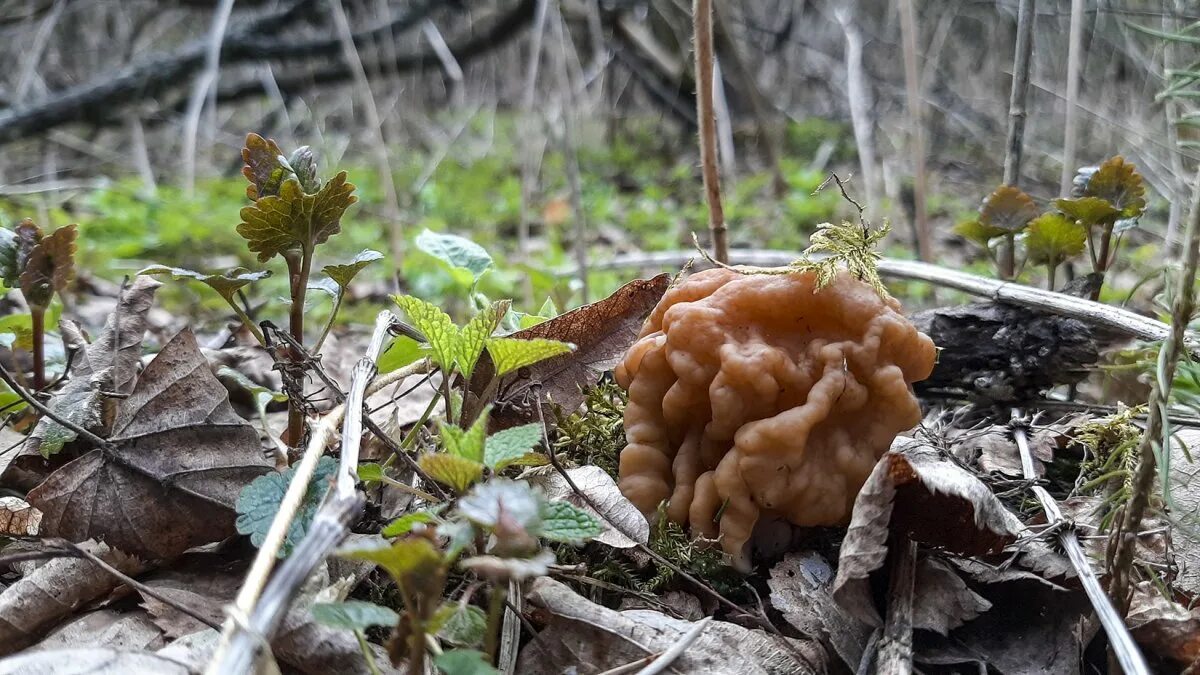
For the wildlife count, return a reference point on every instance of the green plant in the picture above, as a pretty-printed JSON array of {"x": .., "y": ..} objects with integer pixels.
[
  {"x": 1110, "y": 198},
  {"x": 1052, "y": 238},
  {"x": 1004, "y": 214},
  {"x": 40, "y": 265},
  {"x": 291, "y": 214}
]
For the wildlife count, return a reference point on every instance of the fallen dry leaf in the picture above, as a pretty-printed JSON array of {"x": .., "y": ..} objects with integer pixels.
[
  {"x": 109, "y": 365},
  {"x": 603, "y": 491},
  {"x": 1162, "y": 627},
  {"x": 801, "y": 589},
  {"x": 943, "y": 601},
  {"x": 917, "y": 493},
  {"x": 18, "y": 518},
  {"x": 96, "y": 661},
  {"x": 54, "y": 591},
  {"x": 1185, "y": 512},
  {"x": 601, "y": 332},
  {"x": 181, "y": 456},
  {"x": 126, "y": 631},
  {"x": 588, "y": 638},
  {"x": 993, "y": 450}
]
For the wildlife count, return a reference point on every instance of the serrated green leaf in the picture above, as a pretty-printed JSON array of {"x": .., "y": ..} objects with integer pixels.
[
  {"x": 1052, "y": 238},
  {"x": 353, "y": 615},
  {"x": 1087, "y": 211},
  {"x": 293, "y": 219},
  {"x": 509, "y": 354},
  {"x": 457, "y": 472},
  {"x": 514, "y": 499},
  {"x": 440, "y": 332},
  {"x": 464, "y": 662},
  {"x": 459, "y": 624},
  {"x": 475, "y": 334},
  {"x": 226, "y": 284},
  {"x": 16, "y": 331},
  {"x": 467, "y": 443},
  {"x": 342, "y": 275},
  {"x": 455, "y": 251},
  {"x": 263, "y": 168},
  {"x": 978, "y": 232},
  {"x": 259, "y": 502},
  {"x": 411, "y": 561},
  {"x": 404, "y": 524},
  {"x": 400, "y": 352},
  {"x": 370, "y": 472},
  {"x": 510, "y": 445},
  {"x": 565, "y": 523},
  {"x": 49, "y": 266}
]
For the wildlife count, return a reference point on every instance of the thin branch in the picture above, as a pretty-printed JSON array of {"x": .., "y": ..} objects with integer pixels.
[
  {"x": 1074, "y": 66},
  {"x": 705, "y": 113},
  {"x": 916, "y": 130},
  {"x": 200, "y": 90}
]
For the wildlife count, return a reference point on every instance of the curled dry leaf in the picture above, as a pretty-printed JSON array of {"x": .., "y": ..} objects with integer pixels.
[
  {"x": 590, "y": 638},
  {"x": 601, "y": 332},
  {"x": 801, "y": 589},
  {"x": 943, "y": 601},
  {"x": 54, "y": 591},
  {"x": 1162, "y": 627},
  {"x": 917, "y": 493},
  {"x": 107, "y": 366},
  {"x": 180, "y": 458},
  {"x": 18, "y": 518},
  {"x": 603, "y": 491}
]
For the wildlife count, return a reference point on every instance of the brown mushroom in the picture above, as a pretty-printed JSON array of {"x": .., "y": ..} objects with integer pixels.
[{"x": 757, "y": 394}]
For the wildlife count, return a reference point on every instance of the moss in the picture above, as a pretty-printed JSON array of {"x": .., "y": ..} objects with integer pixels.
[{"x": 596, "y": 434}]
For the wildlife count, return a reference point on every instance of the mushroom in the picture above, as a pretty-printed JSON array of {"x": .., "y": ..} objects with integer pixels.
[{"x": 757, "y": 395}]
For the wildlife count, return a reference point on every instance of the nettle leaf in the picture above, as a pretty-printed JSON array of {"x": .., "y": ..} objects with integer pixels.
[
  {"x": 226, "y": 284},
  {"x": 440, "y": 332},
  {"x": 513, "y": 446},
  {"x": 978, "y": 232},
  {"x": 475, "y": 334},
  {"x": 1087, "y": 211},
  {"x": 487, "y": 503},
  {"x": 353, "y": 615},
  {"x": 464, "y": 662},
  {"x": 510, "y": 354},
  {"x": 412, "y": 562},
  {"x": 50, "y": 266},
  {"x": 1009, "y": 209},
  {"x": 263, "y": 167},
  {"x": 457, "y": 472},
  {"x": 16, "y": 331},
  {"x": 466, "y": 443},
  {"x": 405, "y": 524},
  {"x": 460, "y": 624},
  {"x": 294, "y": 219},
  {"x": 370, "y": 472},
  {"x": 456, "y": 252},
  {"x": 259, "y": 502},
  {"x": 1119, "y": 183},
  {"x": 344, "y": 274},
  {"x": 565, "y": 523},
  {"x": 304, "y": 165},
  {"x": 1052, "y": 238}
]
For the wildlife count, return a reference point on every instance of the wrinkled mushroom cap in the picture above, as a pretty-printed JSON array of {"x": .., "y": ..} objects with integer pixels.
[{"x": 751, "y": 395}]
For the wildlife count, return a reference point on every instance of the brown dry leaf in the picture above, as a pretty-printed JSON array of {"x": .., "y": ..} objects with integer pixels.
[
  {"x": 993, "y": 450},
  {"x": 126, "y": 631},
  {"x": 181, "y": 457},
  {"x": 943, "y": 601},
  {"x": 96, "y": 661},
  {"x": 801, "y": 589},
  {"x": 54, "y": 591},
  {"x": 1162, "y": 627},
  {"x": 916, "y": 492},
  {"x": 1184, "y": 523},
  {"x": 108, "y": 365},
  {"x": 589, "y": 638},
  {"x": 18, "y": 518},
  {"x": 601, "y": 332}
]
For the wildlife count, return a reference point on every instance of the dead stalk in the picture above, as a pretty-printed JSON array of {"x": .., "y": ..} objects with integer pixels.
[
  {"x": 204, "y": 85},
  {"x": 916, "y": 129},
  {"x": 705, "y": 112},
  {"x": 1125, "y": 538},
  {"x": 1016, "y": 120},
  {"x": 1074, "y": 66},
  {"x": 896, "y": 641}
]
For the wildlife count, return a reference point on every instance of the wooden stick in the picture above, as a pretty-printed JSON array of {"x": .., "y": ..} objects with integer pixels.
[
  {"x": 1016, "y": 121},
  {"x": 705, "y": 106},
  {"x": 1074, "y": 65},
  {"x": 916, "y": 129}
]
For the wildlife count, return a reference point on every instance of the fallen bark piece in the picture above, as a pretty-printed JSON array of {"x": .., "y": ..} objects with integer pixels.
[{"x": 589, "y": 639}]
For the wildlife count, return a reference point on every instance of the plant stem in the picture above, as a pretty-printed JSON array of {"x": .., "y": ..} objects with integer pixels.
[
  {"x": 1051, "y": 270},
  {"x": 337, "y": 305},
  {"x": 38, "y": 317},
  {"x": 247, "y": 322},
  {"x": 1125, "y": 540},
  {"x": 299, "y": 281},
  {"x": 1102, "y": 257},
  {"x": 703, "y": 35},
  {"x": 366, "y": 652},
  {"x": 495, "y": 618},
  {"x": 1008, "y": 257},
  {"x": 916, "y": 129}
]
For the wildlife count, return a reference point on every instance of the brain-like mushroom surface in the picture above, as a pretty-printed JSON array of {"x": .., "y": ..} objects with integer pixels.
[{"x": 758, "y": 394}]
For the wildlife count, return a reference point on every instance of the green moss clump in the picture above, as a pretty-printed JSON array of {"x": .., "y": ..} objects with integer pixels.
[{"x": 596, "y": 434}]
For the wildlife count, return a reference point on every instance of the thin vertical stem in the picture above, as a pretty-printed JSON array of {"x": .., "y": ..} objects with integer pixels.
[
  {"x": 38, "y": 317},
  {"x": 1016, "y": 119},
  {"x": 705, "y": 113},
  {"x": 1074, "y": 66},
  {"x": 299, "y": 283},
  {"x": 916, "y": 129},
  {"x": 204, "y": 83}
]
